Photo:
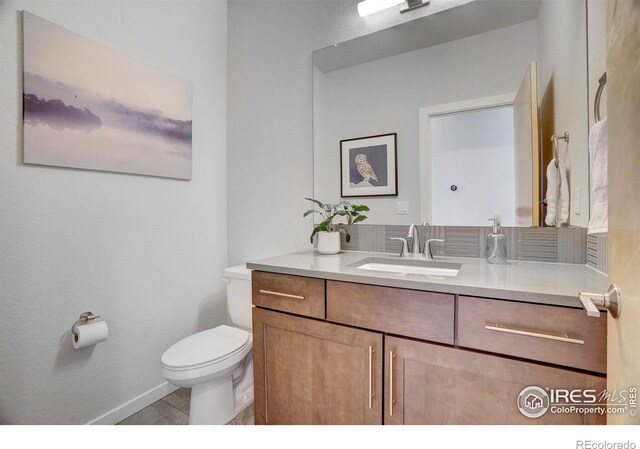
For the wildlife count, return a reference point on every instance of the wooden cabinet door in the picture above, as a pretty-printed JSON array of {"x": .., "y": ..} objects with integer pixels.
[
  {"x": 432, "y": 384},
  {"x": 314, "y": 372}
]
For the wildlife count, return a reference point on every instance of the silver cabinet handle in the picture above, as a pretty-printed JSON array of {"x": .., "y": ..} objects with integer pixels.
[
  {"x": 391, "y": 401},
  {"x": 498, "y": 327},
  {"x": 371, "y": 394},
  {"x": 282, "y": 295},
  {"x": 611, "y": 300}
]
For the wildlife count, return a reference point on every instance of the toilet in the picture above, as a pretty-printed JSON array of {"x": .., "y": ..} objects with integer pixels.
[{"x": 217, "y": 364}]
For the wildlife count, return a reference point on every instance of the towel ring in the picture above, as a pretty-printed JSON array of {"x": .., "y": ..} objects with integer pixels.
[
  {"x": 554, "y": 140},
  {"x": 596, "y": 104}
]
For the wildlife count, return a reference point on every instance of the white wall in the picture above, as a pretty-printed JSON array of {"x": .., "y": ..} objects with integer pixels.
[
  {"x": 384, "y": 96},
  {"x": 563, "y": 93},
  {"x": 270, "y": 164},
  {"x": 145, "y": 253}
]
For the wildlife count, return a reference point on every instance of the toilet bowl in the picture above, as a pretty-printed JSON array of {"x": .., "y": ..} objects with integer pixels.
[{"x": 217, "y": 363}]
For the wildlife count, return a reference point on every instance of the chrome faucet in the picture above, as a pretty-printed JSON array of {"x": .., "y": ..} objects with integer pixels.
[
  {"x": 415, "y": 235},
  {"x": 415, "y": 253}
]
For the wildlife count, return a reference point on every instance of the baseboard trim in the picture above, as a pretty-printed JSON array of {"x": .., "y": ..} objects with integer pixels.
[{"x": 134, "y": 405}]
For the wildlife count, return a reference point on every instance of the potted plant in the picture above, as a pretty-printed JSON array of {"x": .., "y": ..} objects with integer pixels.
[{"x": 328, "y": 234}]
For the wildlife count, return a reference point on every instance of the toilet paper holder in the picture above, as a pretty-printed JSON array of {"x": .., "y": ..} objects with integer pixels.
[{"x": 84, "y": 317}]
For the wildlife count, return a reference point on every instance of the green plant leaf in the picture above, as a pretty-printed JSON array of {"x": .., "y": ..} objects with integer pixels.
[
  {"x": 325, "y": 225},
  {"x": 361, "y": 208},
  {"x": 315, "y": 201},
  {"x": 347, "y": 236},
  {"x": 359, "y": 218},
  {"x": 322, "y": 227},
  {"x": 311, "y": 211},
  {"x": 315, "y": 231}
]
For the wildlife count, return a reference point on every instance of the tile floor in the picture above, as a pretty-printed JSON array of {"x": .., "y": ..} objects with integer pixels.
[{"x": 174, "y": 410}]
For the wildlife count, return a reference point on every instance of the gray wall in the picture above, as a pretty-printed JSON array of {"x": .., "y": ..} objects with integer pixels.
[
  {"x": 270, "y": 166},
  {"x": 145, "y": 253}
]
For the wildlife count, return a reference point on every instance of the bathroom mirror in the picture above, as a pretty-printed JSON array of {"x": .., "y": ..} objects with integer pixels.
[{"x": 473, "y": 94}]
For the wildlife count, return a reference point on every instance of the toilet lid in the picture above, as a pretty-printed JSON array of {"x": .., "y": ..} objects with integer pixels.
[{"x": 204, "y": 347}]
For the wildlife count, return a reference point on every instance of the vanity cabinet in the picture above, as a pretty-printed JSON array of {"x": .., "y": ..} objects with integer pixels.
[
  {"x": 333, "y": 352},
  {"x": 433, "y": 384},
  {"x": 313, "y": 372}
]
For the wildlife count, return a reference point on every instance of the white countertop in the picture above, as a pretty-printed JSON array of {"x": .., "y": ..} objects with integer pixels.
[{"x": 534, "y": 282}]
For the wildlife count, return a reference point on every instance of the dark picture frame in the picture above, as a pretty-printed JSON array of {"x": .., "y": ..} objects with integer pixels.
[{"x": 369, "y": 166}]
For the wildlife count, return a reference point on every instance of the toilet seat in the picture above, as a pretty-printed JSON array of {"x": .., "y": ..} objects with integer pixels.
[{"x": 205, "y": 348}]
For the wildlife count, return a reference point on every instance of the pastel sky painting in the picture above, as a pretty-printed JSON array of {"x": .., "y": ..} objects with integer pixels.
[{"x": 89, "y": 106}]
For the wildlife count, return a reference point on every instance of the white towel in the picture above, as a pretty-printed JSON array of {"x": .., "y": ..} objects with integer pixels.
[
  {"x": 599, "y": 221},
  {"x": 557, "y": 194}
]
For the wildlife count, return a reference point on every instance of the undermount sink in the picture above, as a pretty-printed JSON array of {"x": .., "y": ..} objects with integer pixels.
[{"x": 408, "y": 266}]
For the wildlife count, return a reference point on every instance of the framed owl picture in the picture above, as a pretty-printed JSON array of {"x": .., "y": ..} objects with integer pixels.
[{"x": 369, "y": 166}]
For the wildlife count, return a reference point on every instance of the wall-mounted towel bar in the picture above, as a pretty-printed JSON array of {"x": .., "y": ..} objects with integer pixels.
[
  {"x": 596, "y": 104},
  {"x": 554, "y": 141}
]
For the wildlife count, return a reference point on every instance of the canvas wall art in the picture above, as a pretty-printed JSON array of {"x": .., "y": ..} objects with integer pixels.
[
  {"x": 87, "y": 105},
  {"x": 368, "y": 166}
]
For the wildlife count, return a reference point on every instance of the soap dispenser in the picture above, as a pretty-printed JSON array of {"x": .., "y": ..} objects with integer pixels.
[{"x": 496, "y": 243}]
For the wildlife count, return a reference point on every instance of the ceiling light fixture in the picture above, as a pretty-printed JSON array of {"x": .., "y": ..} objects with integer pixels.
[{"x": 368, "y": 7}]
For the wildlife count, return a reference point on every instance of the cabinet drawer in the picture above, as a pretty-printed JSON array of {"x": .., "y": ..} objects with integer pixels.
[
  {"x": 416, "y": 314},
  {"x": 293, "y": 294},
  {"x": 549, "y": 334}
]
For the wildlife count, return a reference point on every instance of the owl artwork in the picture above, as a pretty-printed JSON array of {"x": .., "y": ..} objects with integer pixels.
[{"x": 365, "y": 169}]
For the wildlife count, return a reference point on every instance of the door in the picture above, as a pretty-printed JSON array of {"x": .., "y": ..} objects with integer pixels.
[
  {"x": 527, "y": 150},
  {"x": 483, "y": 157},
  {"x": 472, "y": 166},
  {"x": 433, "y": 384},
  {"x": 623, "y": 109},
  {"x": 314, "y": 372}
]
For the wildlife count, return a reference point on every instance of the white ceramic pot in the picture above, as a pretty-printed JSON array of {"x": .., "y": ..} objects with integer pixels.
[{"x": 328, "y": 242}]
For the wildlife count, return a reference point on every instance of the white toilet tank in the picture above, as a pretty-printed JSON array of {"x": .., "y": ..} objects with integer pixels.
[{"x": 239, "y": 295}]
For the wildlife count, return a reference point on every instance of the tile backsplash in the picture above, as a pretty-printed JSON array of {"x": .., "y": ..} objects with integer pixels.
[
  {"x": 560, "y": 245},
  {"x": 597, "y": 252}
]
